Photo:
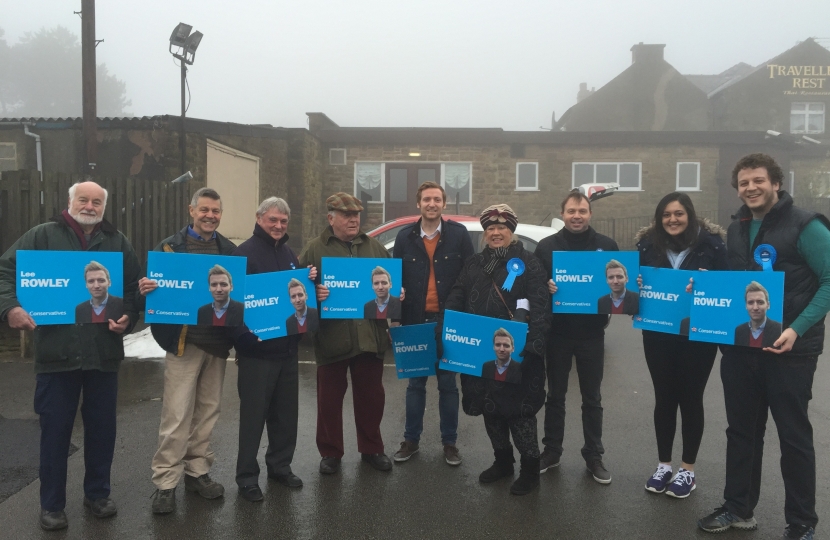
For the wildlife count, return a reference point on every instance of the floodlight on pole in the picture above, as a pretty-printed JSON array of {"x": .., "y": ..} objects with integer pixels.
[{"x": 183, "y": 45}]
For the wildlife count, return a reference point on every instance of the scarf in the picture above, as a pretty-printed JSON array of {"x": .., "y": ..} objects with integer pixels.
[{"x": 493, "y": 257}]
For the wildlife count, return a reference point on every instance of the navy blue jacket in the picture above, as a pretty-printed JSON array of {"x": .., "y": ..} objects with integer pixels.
[
  {"x": 267, "y": 255},
  {"x": 454, "y": 247}
]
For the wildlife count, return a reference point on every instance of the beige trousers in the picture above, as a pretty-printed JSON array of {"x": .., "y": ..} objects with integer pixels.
[{"x": 190, "y": 408}]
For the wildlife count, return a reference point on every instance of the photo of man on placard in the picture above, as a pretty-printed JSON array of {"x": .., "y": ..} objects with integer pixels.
[
  {"x": 223, "y": 311},
  {"x": 384, "y": 306},
  {"x": 759, "y": 331},
  {"x": 503, "y": 368},
  {"x": 101, "y": 307},
  {"x": 304, "y": 319},
  {"x": 621, "y": 301}
]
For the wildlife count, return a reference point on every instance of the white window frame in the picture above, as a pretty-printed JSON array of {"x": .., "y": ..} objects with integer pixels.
[
  {"x": 617, "y": 163},
  {"x": 345, "y": 156},
  {"x": 382, "y": 181},
  {"x": 12, "y": 159},
  {"x": 806, "y": 113},
  {"x": 536, "y": 183},
  {"x": 443, "y": 178},
  {"x": 677, "y": 176}
]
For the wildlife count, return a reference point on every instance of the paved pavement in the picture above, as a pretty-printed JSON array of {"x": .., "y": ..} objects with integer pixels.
[{"x": 423, "y": 498}]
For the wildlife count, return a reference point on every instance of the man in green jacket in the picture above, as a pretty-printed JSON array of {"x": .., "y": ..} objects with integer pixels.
[
  {"x": 70, "y": 358},
  {"x": 342, "y": 345}
]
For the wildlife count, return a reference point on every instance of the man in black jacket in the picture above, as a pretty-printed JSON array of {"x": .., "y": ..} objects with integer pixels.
[
  {"x": 771, "y": 233},
  {"x": 575, "y": 336},
  {"x": 433, "y": 251},
  {"x": 194, "y": 371},
  {"x": 268, "y": 382},
  {"x": 763, "y": 331},
  {"x": 71, "y": 359}
]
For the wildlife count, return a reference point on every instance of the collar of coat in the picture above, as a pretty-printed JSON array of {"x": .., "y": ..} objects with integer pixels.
[
  {"x": 260, "y": 233},
  {"x": 328, "y": 234}
]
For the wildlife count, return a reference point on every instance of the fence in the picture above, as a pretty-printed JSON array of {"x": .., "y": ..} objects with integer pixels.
[
  {"x": 146, "y": 211},
  {"x": 624, "y": 230}
]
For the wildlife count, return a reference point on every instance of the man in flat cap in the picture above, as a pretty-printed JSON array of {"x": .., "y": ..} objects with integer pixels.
[{"x": 355, "y": 345}]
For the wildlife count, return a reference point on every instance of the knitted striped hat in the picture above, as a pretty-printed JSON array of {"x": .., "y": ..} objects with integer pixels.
[{"x": 499, "y": 213}]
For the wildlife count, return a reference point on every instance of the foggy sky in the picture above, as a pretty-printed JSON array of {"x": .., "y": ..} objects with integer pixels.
[{"x": 440, "y": 63}]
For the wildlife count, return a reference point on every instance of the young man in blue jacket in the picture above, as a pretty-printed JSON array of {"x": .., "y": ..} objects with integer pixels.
[{"x": 433, "y": 251}]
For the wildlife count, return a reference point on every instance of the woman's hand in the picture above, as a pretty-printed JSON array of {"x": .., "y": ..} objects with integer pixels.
[{"x": 552, "y": 288}]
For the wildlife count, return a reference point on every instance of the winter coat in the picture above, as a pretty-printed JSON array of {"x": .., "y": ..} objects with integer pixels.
[
  {"x": 708, "y": 252},
  {"x": 267, "y": 255},
  {"x": 341, "y": 339},
  {"x": 67, "y": 347},
  {"x": 454, "y": 247},
  {"x": 474, "y": 293}
]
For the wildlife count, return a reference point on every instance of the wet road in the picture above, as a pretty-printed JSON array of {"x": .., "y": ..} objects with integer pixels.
[{"x": 423, "y": 498}]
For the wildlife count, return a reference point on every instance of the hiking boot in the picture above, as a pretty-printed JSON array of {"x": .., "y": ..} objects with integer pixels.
[
  {"x": 407, "y": 450},
  {"x": 451, "y": 455},
  {"x": 503, "y": 466},
  {"x": 598, "y": 470},
  {"x": 528, "y": 479},
  {"x": 801, "y": 532},
  {"x": 378, "y": 461},
  {"x": 204, "y": 486},
  {"x": 164, "y": 501},
  {"x": 101, "y": 508},
  {"x": 329, "y": 465},
  {"x": 548, "y": 460},
  {"x": 682, "y": 485},
  {"x": 722, "y": 519},
  {"x": 53, "y": 521},
  {"x": 659, "y": 480}
]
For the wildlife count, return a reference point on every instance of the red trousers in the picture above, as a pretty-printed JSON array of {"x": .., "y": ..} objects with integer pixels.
[{"x": 368, "y": 397}]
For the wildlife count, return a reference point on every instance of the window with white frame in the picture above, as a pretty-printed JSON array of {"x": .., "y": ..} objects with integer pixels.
[
  {"x": 627, "y": 174},
  {"x": 807, "y": 117},
  {"x": 8, "y": 156},
  {"x": 337, "y": 156},
  {"x": 457, "y": 179},
  {"x": 527, "y": 177},
  {"x": 368, "y": 180},
  {"x": 688, "y": 176}
]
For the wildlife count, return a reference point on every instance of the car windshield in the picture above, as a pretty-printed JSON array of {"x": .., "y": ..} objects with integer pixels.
[{"x": 390, "y": 234}]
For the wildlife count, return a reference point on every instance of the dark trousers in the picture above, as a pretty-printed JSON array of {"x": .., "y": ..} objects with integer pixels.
[
  {"x": 56, "y": 401},
  {"x": 268, "y": 397},
  {"x": 368, "y": 397},
  {"x": 589, "y": 354},
  {"x": 679, "y": 371},
  {"x": 754, "y": 383},
  {"x": 523, "y": 430}
]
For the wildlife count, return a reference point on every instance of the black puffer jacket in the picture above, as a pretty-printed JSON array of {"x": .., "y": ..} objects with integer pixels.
[
  {"x": 708, "y": 253},
  {"x": 474, "y": 293}
]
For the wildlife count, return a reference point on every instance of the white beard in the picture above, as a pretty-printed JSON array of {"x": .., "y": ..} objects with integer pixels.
[{"x": 86, "y": 220}]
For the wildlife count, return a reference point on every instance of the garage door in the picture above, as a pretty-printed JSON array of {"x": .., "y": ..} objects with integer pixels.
[{"x": 235, "y": 176}]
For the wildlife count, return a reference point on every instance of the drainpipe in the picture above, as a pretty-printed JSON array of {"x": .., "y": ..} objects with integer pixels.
[{"x": 38, "y": 151}]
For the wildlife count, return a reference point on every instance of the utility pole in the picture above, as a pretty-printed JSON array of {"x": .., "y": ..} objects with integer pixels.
[
  {"x": 183, "y": 136},
  {"x": 90, "y": 105}
]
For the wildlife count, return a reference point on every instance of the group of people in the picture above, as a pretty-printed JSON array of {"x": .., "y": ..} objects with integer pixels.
[{"x": 441, "y": 270}]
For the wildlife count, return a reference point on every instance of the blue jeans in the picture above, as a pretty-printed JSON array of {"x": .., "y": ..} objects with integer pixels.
[{"x": 416, "y": 402}]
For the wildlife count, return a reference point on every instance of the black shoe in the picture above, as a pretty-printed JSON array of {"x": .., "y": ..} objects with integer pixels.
[
  {"x": 528, "y": 479},
  {"x": 288, "y": 480},
  {"x": 548, "y": 460},
  {"x": 101, "y": 508},
  {"x": 598, "y": 471},
  {"x": 378, "y": 461},
  {"x": 164, "y": 501},
  {"x": 251, "y": 493},
  {"x": 329, "y": 465},
  {"x": 801, "y": 532},
  {"x": 503, "y": 466},
  {"x": 722, "y": 519},
  {"x": 204, "y": 486},
  {"x": 53, "y": 521}
]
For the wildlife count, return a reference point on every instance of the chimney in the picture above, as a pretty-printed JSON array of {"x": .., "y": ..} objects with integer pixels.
[
  {"x": 318, "y": 121},
  {"x": 647, "y": 53},
  {"x": 583, "y": 92}
]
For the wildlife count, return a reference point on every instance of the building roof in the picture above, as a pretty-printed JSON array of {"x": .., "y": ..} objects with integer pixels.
[{"x": 709, "y": 83}]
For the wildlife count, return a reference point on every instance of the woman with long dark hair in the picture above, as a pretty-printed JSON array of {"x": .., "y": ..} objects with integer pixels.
[{"x": 679, "y": 368}]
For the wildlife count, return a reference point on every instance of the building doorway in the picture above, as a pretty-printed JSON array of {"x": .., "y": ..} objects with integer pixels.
[{"x": 402, "y": 181}]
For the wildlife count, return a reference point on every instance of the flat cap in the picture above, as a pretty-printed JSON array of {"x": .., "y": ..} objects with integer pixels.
[{"x": 343, "y": 202}]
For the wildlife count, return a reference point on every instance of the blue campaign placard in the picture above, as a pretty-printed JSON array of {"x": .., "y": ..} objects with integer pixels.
[
  {"x": 596, "y": 282},
  {"x": 737, "y": 308},
  {"x": 279, "y": 304},
  {"x": 52, "y": 285},
  {"x": 185, "y": 295},
  {"x": 414, "y": 350},
  {"x": 469, "y": 344},
  {"x": 664, "y": 302},
  {"x": 361, "y": 288}
]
